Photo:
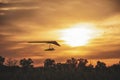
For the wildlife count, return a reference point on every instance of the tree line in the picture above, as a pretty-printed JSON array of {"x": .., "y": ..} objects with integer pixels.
[{"x": 72, "y": 69}]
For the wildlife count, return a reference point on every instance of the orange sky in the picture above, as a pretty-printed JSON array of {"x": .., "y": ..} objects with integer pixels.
[{"x": 28, "y": 20}]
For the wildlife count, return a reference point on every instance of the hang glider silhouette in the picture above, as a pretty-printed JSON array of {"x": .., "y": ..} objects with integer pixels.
[{"x": 50, "y": 48}]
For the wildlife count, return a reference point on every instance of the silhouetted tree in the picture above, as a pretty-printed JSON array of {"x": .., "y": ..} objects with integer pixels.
[
  {"x": 49, "y": 63},
  {"x": 115, "y": 67},
  {"x": 82, "y": 63},
  {"x": 90, "y": 67},
  {"x": 11, "y": 62},
  {"x": 26, "y": 63},
  {"x": 100, "y": 65},
  {"x": 72, "y": 62},
  {"x": 2, "y": 60}
]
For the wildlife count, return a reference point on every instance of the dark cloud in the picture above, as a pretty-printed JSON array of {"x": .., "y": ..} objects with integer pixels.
[
  {"x": 41, "y": 12},
  {"x": 106, "y": 54}
]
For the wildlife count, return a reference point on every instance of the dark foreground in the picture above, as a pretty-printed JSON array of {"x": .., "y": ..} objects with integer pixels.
[
  {"x": 53, "y": 74},
  {"x": 71, "y": 70}
]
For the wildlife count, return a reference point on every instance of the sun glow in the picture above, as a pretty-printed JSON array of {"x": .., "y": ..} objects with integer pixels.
[{"x": 79, "y": 35}]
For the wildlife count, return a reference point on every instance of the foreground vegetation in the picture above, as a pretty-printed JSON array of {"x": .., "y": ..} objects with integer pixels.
[{"x": 73, "y": 69}]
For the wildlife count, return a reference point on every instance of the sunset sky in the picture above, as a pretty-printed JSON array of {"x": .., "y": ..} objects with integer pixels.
[{"x": 84, "y": 28}]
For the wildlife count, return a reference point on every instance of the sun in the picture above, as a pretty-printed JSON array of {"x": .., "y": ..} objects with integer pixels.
[{"x": 79, "y": 34}]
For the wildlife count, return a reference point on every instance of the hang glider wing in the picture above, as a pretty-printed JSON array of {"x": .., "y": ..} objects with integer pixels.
[{"x": 49, "y": 42}]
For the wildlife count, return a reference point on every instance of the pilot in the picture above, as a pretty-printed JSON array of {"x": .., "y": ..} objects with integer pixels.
[{"x": 50, "y": 49}]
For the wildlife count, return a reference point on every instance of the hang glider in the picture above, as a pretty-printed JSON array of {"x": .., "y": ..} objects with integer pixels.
[{"x": 48, "y": 42}]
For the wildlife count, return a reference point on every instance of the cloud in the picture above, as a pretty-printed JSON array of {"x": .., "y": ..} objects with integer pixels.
[
  {"x": 40, "y": 19},
  {"x": 115, "y": 54}
]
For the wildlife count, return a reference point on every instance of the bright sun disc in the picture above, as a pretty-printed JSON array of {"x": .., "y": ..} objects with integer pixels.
[{"x": 79, "y": 35}]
